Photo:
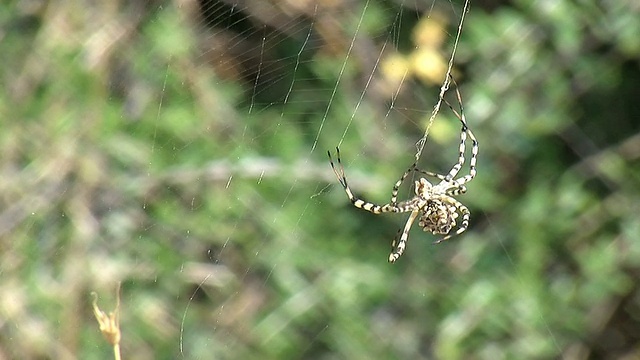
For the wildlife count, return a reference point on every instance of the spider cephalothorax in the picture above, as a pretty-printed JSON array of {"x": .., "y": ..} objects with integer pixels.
[{"x": 434, "y": 206}]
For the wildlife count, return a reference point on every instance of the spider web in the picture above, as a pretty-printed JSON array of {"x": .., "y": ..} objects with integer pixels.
[
  {"x": 261, "y": 81},
  {"x": 305, "y": 31},
  {"x": 178, "y": 148},
  {"x": 194, "y": 178}
]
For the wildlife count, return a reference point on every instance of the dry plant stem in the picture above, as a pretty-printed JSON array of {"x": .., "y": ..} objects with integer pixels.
[
  {"x": 445, "y": 84},
  {"x": 116, "y": 352},
  {"x": 109, "y": 323}
]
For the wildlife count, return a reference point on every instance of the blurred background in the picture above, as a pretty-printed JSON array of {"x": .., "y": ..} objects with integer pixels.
[{"x": 180, "y": 148}]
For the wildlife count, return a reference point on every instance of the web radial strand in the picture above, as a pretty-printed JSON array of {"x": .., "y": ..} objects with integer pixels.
[{"x": 445, "y": 84}]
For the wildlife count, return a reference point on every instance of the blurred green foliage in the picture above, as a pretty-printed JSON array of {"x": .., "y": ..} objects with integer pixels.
[{"x": 180, "y": 148}]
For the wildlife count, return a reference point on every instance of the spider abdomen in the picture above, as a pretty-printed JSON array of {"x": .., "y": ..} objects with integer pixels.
[{"x": 438, "y": 217}]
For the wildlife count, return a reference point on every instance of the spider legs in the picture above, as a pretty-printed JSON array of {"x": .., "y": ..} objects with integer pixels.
[
  {"x": 340, "y": 171},
  {"x": 396, "y": 186},
  {"x": 357, "y": 202},
  {"x": 399, "y": 243},
  {"x": 463, "y": 138},
  {"x": 429, "y": 173}
]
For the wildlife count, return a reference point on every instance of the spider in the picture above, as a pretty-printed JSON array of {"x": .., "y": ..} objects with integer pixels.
[{"x": 433, "y": 205}]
